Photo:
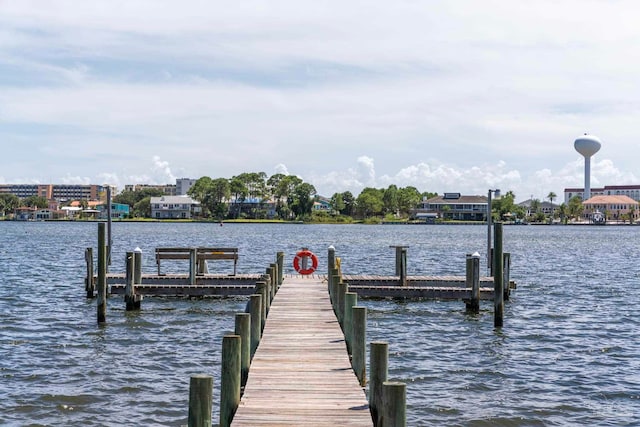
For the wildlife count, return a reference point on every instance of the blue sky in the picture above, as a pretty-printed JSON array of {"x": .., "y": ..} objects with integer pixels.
[{"x": 447, "y": 96}]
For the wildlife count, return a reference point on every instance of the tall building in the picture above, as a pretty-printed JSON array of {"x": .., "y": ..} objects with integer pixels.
[
  {"x": 59, "y": 192},
  {"x": 632, "y": 191}
]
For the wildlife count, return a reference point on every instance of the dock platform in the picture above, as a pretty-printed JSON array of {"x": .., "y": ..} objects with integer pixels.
[
  {"x": 366, "y": 286},
  {"x": 300, "y": 374}
]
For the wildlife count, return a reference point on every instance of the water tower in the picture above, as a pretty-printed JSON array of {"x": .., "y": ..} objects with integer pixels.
[{"x": 587, "y": 145}]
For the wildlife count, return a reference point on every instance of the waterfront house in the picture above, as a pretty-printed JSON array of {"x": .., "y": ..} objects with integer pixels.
[
  {"x": 174, "y": 207},
  {"x": 454, "y": 206},
  {"x": 613, "y": 207}
]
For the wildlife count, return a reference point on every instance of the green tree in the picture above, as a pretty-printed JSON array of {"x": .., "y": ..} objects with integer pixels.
[
  {"x": 551, "y": 196},
  {"x": 131, "y": 198},
  {"x": 349, "y": 203},
  {"x": 337, "y": 203},
  {"x": 503, "y": 205},
  {"x": 390, "y": 200},
  {"x": 369, "y": 202},
  {"x": 8, "y": 203},
  {"x": 562, "y": 211},
  {"x": 408, "y": 199},
  {"x": 303, "y": 198},
  {"x": 212, "y": 195},
  {"x": 575, "y": 207},
  {"x": 142, "y": 208},
  {"x": 35, "y": 202}
]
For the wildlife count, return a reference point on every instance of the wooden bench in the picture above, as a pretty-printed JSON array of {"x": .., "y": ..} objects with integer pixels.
[{"x": 199, "y": 255}]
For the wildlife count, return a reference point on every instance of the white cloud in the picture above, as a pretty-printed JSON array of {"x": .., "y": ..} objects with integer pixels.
[{"x": 444, "y": 96}]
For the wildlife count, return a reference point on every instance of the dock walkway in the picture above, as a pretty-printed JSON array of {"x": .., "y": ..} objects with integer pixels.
[{"x": 301, "y": 374}]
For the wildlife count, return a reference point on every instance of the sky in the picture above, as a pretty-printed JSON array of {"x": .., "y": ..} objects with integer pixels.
[{"x": 446, "y": 96}]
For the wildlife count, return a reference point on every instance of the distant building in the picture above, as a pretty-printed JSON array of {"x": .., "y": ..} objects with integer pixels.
[
  {"x": 322, "y": 204},
  {"x": 454, "y": 206},
  {"x": 167, "y": 189},
  {"x": 174, "y": 207},
  {"x": 183, "y": 185},
  {"x": 180, "y": 188},
  {"x": 118, "y": 211},
  {"x": 632, "y": 191},
  {"x": 58, "y": 192},
  {"x": 546, "y": 208},
  {"x": 613, "y": 207}
]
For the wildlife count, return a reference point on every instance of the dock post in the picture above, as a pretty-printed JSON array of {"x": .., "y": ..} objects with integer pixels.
[
  {"x": 498, "y": 302},
  {"x": 255, "y": 309},
  {"x": 403, "y": 266},
  {"x": 506, "y": 279},
  {"x": 394, "y": 395},
  {"x": 473, "y": 282},
  {"x": 335, "y": 281},
  {"x": 266, "y": 278},
  {"x": 243, "y": 328},
  {"x": 89, "y": 282},
  {"x": 193, "y": 261},
  {"x": 275, "y": 273},
  {"x": 379, "y": 364},
  {"x": 350, "y": 301},
  {"x": 102, "y": 274},
  {"x": 331, "y": 264},
  {"x": 230, "y": 380},
  {"x": 280, "y": 258},
  {"x": 200, "y": 397},
  {"x": 359, "y": 359},
  {"x": 261, "y": 289},
  {"x": 129, "y": 293},
  {"x": 342, "y": 290},
  {"x": 137, "y": 258}
]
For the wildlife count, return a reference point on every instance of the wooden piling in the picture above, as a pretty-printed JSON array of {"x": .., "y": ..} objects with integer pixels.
[
  {"x": 403, "y": 266},
  {"x": 274, "y": 278},
  {"x": 230, "y": 379},
  {"x": 506, "y": 265},
  {"x": 331, "y": 264},
  {"x": 342, "y": 290},
  {"x": 473, "y": 282},
  {"x": 261, "y": 288},
  {"x": 243, "y": 329},
  {"x": 193, "y": 261},
  {"x": 350, "y": 301},
  {"x": 137, "y": 262},
  {"x": 498, "y": 303},
  {"x": 280, "y": 261},
  {"x": 102, "y": 274},
  {"x": 255, "y": 309},
  {"x": 335, "y": 282},
  {"x": 89, "y": 282},
  {"x": 200, "y": 400},
  {"x": 129, "y": 292},
  {"x": 359, "y": 343},
  {"x": 379, "y": 365},
  {"x": 394, "y": 395}
]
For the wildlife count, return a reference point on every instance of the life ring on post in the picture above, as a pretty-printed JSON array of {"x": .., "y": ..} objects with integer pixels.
[{"x": 305, "y": 254}]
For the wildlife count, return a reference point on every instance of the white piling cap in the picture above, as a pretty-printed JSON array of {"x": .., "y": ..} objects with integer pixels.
[
  {"x": 475, "y": 254},
  {"x": 137, "y": 249},
  {"x": 331, "y": 248}
]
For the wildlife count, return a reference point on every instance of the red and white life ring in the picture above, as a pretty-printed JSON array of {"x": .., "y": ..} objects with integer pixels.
[{"x": 305, "y": 254}]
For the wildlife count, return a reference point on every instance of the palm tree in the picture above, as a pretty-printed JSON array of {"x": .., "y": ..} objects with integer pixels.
[{"x": 551, "y": 196}]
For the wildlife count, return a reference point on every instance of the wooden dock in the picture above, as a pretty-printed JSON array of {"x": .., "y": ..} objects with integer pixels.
[
  {"x": 301, "y": 374},
  {"x": 366, "y": 286}
]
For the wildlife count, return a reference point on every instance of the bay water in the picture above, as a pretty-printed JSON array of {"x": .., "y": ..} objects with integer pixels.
[{"x": 568, "y": 354}]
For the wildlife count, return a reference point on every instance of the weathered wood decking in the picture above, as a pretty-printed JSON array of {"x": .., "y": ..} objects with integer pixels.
[
  {"x": 369, "y": 286},
  {"x": 301, "y": 374}
]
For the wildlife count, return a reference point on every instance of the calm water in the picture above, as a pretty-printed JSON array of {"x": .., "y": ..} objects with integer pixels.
[{"x": 569, "y": 353}]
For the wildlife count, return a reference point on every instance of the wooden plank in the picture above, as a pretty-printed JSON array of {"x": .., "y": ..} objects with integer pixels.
[{"x": 301, "y": 374}]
